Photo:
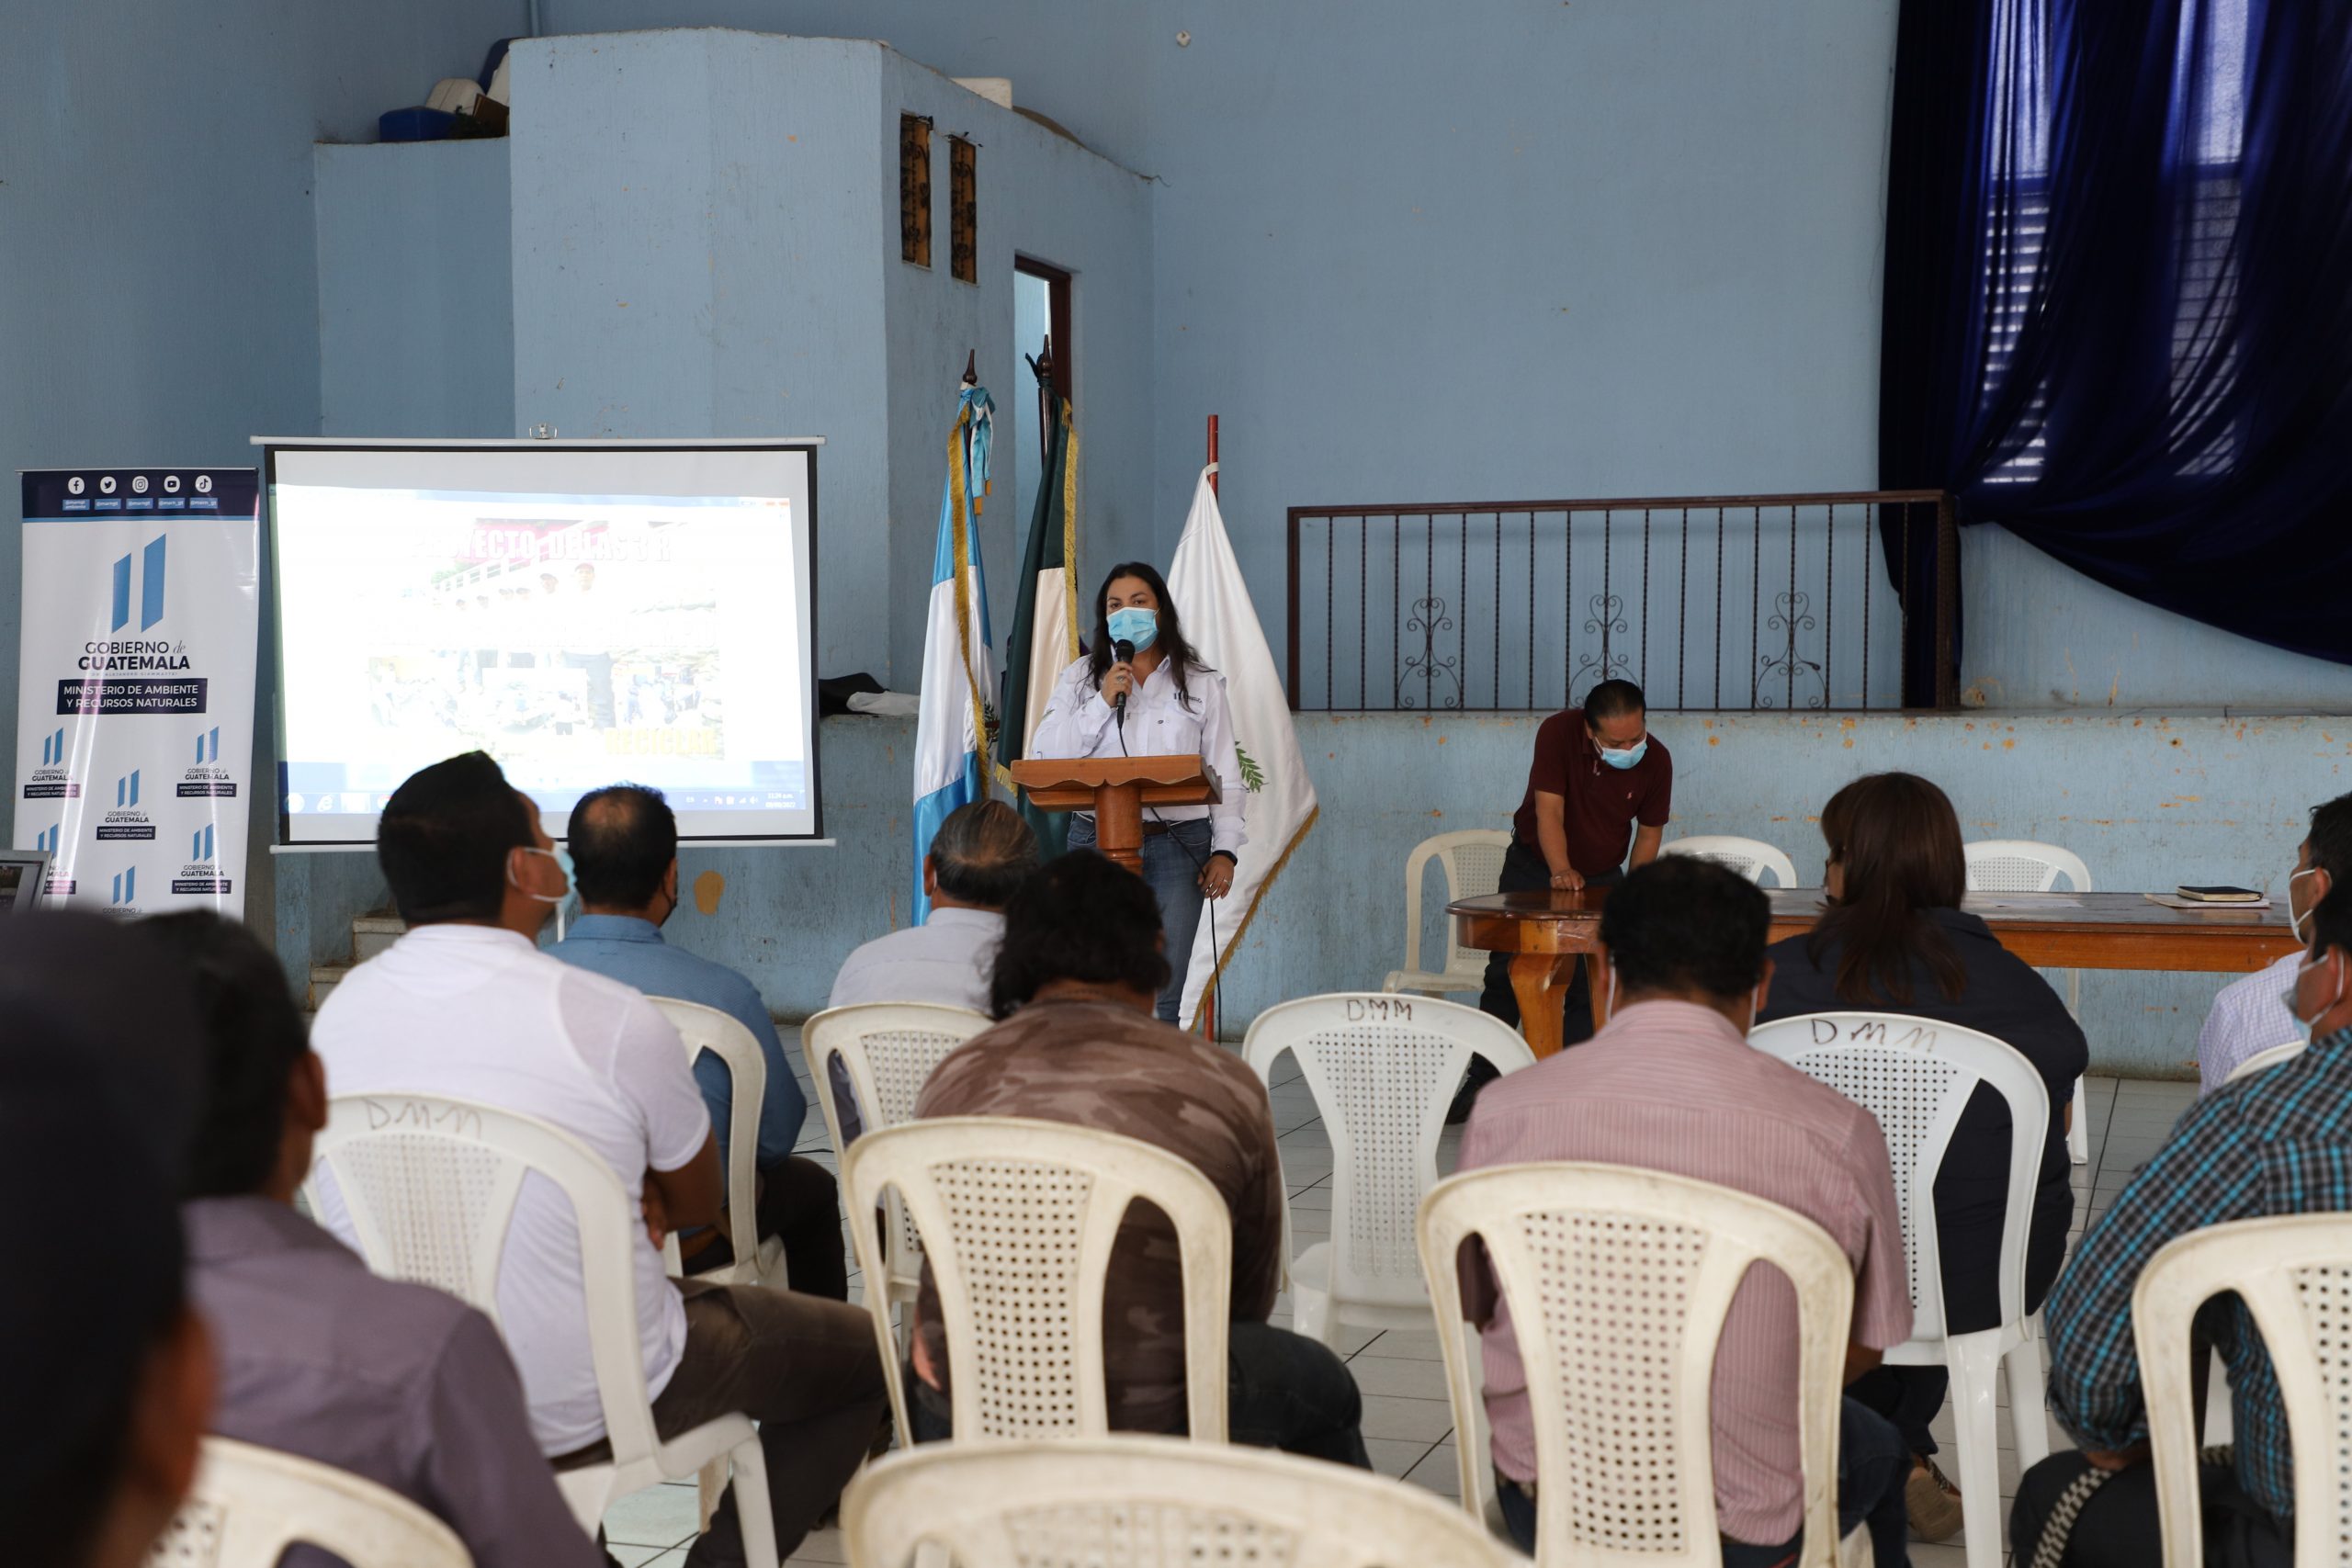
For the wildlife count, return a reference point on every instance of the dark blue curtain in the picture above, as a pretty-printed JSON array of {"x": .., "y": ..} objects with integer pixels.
[{"x": 2117, "y": 316}]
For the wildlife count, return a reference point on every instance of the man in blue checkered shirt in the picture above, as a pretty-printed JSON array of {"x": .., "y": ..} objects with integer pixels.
[{"x": 2278, "y": 1143}]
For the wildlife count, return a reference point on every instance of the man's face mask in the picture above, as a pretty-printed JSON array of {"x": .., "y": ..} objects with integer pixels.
[
  {"x": 2296, "y": 917},
  {"x": 562, "y": 871}
]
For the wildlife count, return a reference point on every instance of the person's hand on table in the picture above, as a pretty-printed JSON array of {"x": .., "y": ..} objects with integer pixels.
[
  {"x": 1117, "y": 682},
  {"x": 1567, "y": 881},
  {"x": 1217, "y": 876}
]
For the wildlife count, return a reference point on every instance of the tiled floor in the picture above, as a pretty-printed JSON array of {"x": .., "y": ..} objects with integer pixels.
[{"x": 1408, "y": 1424}]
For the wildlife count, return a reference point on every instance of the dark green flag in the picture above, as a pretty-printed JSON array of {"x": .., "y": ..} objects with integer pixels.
[{"x": 1044, "y": 613}]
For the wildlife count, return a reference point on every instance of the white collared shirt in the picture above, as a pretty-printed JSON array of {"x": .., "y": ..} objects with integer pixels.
[
  {"x": 478, "y": 1013},
  {"x": 947, "y": 959},
  {"x": 1161, "y": 723},
  {"x": 2249, "y": 1015}
]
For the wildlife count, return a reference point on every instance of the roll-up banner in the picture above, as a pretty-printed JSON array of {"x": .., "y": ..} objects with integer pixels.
[{"x": 135, "y": 685}]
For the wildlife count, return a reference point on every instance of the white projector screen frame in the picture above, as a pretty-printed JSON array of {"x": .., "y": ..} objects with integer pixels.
[{"x": 781, "y": 471}]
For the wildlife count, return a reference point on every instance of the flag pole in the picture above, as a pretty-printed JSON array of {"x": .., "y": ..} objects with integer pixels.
[{"x": 1208, "y": 1002}]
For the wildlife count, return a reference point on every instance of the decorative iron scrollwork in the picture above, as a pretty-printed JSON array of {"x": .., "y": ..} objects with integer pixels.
[
  {"x": 1428, "y": 618},
  {"x": 1792, "y": 615},
  {"x": 1607, "y": 621}
]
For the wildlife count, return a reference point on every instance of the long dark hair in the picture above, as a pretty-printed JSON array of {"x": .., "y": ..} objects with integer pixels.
[
  {"x": 1181, "y": 660},
  {"x": 1896, "y": 839},
  {"x": 1079, "y": 918}
]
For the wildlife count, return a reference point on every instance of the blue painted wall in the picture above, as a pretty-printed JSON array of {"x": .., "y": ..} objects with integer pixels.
[
  {"x": 1042, "y": 196},
  {"x": 159, "y": 299},
  {"x": 2040, "y": 634},
  {"x": 2148, "y": 801},
  {"x": 416, "y": 298}
]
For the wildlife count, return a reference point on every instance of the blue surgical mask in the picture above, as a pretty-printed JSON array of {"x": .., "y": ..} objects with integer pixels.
[
  {"x": 1139, "y": 626},
  {"x": 1627, "y": 757}
]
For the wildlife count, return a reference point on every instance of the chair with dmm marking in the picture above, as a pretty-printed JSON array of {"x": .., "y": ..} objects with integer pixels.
[
  {"x": 1382, "y": 1070},
  {"x": 1620, "y": 1280},
  {"x": 430, "y": 1184},
  {"x": 1916, "y": 1075},
  {"x": 1018, "y": 1219}
]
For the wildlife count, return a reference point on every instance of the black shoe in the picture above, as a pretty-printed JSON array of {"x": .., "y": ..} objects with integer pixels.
[{"x": 1482, "y": 1073}]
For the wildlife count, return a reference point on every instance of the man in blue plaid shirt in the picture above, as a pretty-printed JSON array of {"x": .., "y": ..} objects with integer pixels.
[{"x": 2278, "y": 1143}]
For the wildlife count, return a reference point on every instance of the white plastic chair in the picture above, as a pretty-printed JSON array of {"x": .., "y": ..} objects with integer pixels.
[
  {"x": 757, "y": 1262},
  {"x": 1749, "y": 857},
  {"x": 250, "y": 1504},
  {"x": 1018, "y": 1219},
  {"x": 2294, "y": 1274},
  {"x": 2022, "y": 865},
  {"x": 1916, "y": 1075},
  {"x": 889, "y": 1049},
  {"x": 1473, "y": 862},
  {"x": 2269, "y": 1056},
  {"x": 1383, "y": 1069},
  {"x": 1619, "y": 1280},
  {"x": 430, "y": 1185},
  {"x": 1147, "y": 1503}
]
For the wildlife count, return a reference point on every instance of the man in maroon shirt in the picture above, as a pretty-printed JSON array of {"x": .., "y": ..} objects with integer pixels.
[{"x": 1599, "y": 779}]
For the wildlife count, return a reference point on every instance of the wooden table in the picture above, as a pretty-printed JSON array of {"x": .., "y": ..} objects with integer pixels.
[{"x": 1546, "y": 932}]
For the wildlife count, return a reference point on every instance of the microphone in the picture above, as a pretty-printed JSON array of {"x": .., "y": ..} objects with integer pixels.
[{"x": 1124, "y": 652}]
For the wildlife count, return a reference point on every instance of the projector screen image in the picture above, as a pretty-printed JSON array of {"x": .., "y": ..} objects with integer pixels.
[{"x": 584, "y": 614}]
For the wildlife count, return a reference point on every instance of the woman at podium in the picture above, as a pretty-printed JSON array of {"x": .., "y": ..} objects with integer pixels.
[{"x": 1142, "y": 692}]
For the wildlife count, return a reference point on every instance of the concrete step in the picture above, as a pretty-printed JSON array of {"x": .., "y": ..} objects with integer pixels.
[
  {"x": 325, "y": 978},
  {"x": 371, "y": 934}
]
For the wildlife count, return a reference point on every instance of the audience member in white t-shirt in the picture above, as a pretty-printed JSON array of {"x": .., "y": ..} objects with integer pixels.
[
  {"x": 2252, "y": 1014},
  {"x": 465, "y": 1005}
]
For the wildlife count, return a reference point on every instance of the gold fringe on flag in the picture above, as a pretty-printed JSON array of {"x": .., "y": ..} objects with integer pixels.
[
  {"x": 962, "y": 530},
  {"x": 1233, "y": 944},
  {"x": 1069, "y": 526}
]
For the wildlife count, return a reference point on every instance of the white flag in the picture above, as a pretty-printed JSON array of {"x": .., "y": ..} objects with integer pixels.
[{"x": 1204, "y": 580}]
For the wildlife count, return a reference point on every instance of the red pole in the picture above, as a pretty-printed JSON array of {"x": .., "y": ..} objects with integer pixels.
[{"x": 1208, "y": 1002}]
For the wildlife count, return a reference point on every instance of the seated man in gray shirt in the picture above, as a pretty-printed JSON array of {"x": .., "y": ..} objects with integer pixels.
[
  {"x": 395, "y": 1382},
  {"x": 980, "y": 856}
]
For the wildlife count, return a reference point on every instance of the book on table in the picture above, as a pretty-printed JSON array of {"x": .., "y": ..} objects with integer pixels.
[{"x": 2221, "y": 894}]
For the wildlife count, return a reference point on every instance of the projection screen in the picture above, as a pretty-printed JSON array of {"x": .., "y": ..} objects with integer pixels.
[{"x": 586, "y": 613}]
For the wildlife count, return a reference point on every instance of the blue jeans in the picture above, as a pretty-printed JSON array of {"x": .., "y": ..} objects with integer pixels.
[
  {"x": 1172, "y": 869},
  {"x": 1283, "y": 1391},
  {"x": 1871, "y": 1467}
]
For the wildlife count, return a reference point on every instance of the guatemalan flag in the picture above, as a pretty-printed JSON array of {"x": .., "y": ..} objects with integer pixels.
[{"x": 951, "y": 731}]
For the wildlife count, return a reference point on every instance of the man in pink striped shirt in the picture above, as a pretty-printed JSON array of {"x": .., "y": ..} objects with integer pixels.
[{"x": 1671, "y": 1084}]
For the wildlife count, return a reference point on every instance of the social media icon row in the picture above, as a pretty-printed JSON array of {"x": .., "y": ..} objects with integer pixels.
[{"x": 77, "y": 484}]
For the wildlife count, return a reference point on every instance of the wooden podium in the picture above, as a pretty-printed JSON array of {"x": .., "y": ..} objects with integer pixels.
[{"x": 1116, "y": 789}]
